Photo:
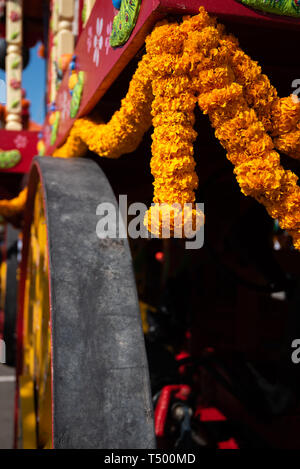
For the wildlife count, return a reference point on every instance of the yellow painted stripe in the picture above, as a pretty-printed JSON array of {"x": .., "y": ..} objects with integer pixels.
[{"x": 27, "y": 413}]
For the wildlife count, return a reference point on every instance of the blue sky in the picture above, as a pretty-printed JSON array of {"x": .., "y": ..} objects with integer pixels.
[{"x": 33, "y": 83}]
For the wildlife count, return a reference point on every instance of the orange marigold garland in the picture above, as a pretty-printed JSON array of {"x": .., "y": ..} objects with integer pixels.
[
  {"x": 12, "y": 207},
  {"x": 172, "y": 163},
  {"x": 280, "y": 116},
  {"x": 124, "y": 132},
  {"x": 183, "y": 61},
  {"x": 249, "y": 148},
  {"x": 286, "y": 113},
  {"x": 121, "y": 135}
]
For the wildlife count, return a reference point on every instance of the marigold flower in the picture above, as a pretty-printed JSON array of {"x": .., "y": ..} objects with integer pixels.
[{"x": 188, "y": 63}]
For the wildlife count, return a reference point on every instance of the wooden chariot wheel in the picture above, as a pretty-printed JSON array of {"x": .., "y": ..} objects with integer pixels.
[{"x": 82, "y": 372}]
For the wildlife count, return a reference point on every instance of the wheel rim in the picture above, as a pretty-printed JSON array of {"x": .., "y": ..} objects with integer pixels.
[{"x": 35, "y": 397}]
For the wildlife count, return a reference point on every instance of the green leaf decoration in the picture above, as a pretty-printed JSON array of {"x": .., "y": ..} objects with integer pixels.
[
  {"x": 279, "y": 7},
  {"x": 55, "y": 128},
  {"x": 9, "y": 159},
  {"x": 16, "y": 63},
  {"x": 124, "y": 22},
  {"x": 14, "y": 35},
  {"x": 15, "y": 103},
  {"x": 76, "y": 96},
  {"x": 83, "y": 13},
  {"x": 42, "y": 151}
]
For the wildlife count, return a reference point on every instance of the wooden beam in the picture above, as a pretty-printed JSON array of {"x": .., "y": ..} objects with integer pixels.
[{"x": 13, "y": 64}]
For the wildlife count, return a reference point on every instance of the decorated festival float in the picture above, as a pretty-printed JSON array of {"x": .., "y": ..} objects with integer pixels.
[{"x": 141, "y": 343}]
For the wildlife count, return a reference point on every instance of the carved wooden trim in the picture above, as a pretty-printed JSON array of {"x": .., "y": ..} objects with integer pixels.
[{"x": 13, "y": 65}]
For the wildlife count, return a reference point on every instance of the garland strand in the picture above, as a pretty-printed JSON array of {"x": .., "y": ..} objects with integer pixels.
[
  {"x": 248, "y": 146},
  {"x": 121, "y": 135},
  {"x": 172, "y": 163},
  {"x": 280, "y": 116},
  {"x": 13, "y": 207},
  {"x": 124, "y": 132}
]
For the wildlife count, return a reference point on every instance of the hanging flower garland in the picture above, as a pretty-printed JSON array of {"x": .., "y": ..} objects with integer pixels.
[
  {"x": 242, "y": 106},
  {"x": 172, "y": 163},
  {"x": 249, "y": 148},
  {"x": 124, "y": 132},
  {"x": 197, "y": 60},
  {"x": 12, "y": 207},
  {"x": 280, "y": 116}
]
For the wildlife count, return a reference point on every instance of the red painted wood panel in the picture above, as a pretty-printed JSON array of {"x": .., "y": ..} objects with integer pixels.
[
  {"x": 99, "y": 61},
  {"x": 102, "y": 64},
  {"x": 233, "y": 10},
  {"x": 25, "y": 142}
]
